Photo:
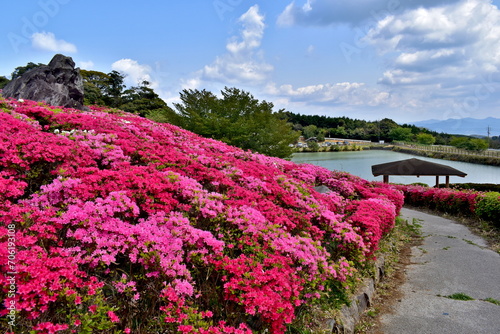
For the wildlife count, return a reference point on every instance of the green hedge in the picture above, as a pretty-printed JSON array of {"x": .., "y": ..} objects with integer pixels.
[
  {"x": 488, "y": 207},
  {"x": 486, "y": 187}
]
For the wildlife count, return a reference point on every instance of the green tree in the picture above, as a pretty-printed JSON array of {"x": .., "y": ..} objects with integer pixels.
[
  {"x": 459, "y": 142},
  {"x": 237, "y": 119},
  {"x": 197, "y": 112},
  {"x": 20, "y": 70},
  {"x": 470, "y": 144},
  {"x": 321, "y": 135},
  {"x": 95, "y": 86},
  {"x": 165, "y": 115},
  {"x": 400, "y": 134},
  {"x": 297, "y": 127},
  {"x": 3, "y": 81},
  {"x": 109, "y": 90},
  {"x": 385, "y": 126},
  {"x": 358, "y": 133},
  {"x": 313, "y": 146},
  {"x": 338, "y": 132},
  {"x": 426, "y": 139},
  {"x": 310, "y": 131},
  {"x": 103, "y": 89},
  {"x": 114, "y": 89},
  {"x": 476, "y": 144},
  {"x": 142, "y": 100}
]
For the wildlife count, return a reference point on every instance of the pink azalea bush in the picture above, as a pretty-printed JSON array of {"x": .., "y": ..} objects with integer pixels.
[
  {"x": 461, "y": 202},
  {"x": 123, "y": 225},
  {"x": 485, "y": 205}
]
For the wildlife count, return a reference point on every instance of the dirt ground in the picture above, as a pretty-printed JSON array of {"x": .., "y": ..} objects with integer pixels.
[{"x": 388, "y": 293}]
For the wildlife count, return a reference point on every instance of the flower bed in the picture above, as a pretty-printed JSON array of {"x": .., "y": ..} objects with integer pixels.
[
  {"x": 484, "y": 205},
  {"x": 122, "y": 225},
  {"x": 441, "y": 199}
]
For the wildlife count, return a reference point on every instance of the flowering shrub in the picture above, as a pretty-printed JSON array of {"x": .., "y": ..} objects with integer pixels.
[
  {"x": 488, "y": 207},
  {"x": 375, "y": 217},
  {"x": 447, "y": 200},
  {"x": 484, "y": 205},
  {"x": 123, "y": 225}
]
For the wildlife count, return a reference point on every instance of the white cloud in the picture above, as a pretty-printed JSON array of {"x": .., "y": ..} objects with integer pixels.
[
  {"x": 193, "y": 83},
  {"x": 135, "y": 72},
  {"x": 243, "y": 63},
  {"x": 327, "y": 12},
  {"x": 436, "y": 55},
  {"x": 251, "y": 35},
  {"x": 47, "y": 41},
  {"x": 450, "y": 45},
  {"x": 86, "y": 65},
  {"x": 347, "y": 93}
]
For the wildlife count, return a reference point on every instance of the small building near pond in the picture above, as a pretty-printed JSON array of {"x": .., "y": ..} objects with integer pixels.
[{"x": 416, "y": 167}]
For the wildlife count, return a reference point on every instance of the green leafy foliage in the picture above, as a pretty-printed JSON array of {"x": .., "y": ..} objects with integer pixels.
[
  {"x": 486, "y": 187},
  {"x": 310, "y": 131},
  {"x": 426, "y": 139},
  {"x": 488, "y": 207},
  {"x": 313, "y": 145},
  {"x": 115, "y": 89},
  {"x": 109, "y": 90},
  {"x": 401, "y": 134},
  {"x": 237, "y": 119},
  {"x": 3, "y": 81},
  {"x": 470, "y": 144},
  {"x": 142, "y": 100},
  {"x": 495, "y": 142},
  {"x": 103, "y": 89},
  {"x": 95, "y": 86},
  {"x": 20, "y": 70}
]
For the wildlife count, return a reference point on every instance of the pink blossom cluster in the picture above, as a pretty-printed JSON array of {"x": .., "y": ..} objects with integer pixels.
[
  {"x": 125, "y": 225},
  {"x": 375, "y": 217},
  {"x": 442, "y": 199}
]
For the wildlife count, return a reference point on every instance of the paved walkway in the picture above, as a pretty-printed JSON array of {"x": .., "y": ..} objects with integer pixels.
[{"x": 450, "y": 260}]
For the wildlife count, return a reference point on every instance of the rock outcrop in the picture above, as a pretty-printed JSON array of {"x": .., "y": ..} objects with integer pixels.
[{"x": 59, "y": 84}]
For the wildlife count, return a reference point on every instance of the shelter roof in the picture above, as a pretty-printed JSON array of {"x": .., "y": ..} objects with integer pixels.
[{"x": 414, "y": 167}]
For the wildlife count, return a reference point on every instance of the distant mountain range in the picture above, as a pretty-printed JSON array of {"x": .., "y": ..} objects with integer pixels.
[{"x": 463, "y": 126}]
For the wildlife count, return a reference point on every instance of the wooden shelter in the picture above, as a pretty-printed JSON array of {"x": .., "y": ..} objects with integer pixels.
[{"x": 416, "y": 167}]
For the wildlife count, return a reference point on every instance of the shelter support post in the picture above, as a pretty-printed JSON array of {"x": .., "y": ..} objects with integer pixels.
[
  {"x": 447, "y": 181},
  {"x": 437, "y": 181},
  {"x": 386, "y": 178}
]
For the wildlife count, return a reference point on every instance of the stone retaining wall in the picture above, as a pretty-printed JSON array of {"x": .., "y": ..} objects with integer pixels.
[{"x": 362, "y": 299}]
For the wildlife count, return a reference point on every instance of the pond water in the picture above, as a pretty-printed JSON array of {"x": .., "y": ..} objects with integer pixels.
[{"x": 359, "y": 163}]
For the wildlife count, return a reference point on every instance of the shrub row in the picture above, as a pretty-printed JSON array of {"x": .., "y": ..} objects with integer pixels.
[
  {"x": 484, "y": 187},
  {"x": 484, "y": 205}
]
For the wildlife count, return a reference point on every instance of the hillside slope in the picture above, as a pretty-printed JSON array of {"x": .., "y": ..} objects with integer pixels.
[{"x": 112, "y": 223}]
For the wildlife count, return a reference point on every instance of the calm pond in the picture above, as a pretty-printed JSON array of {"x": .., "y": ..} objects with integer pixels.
[{"x": 360, "y": 162}]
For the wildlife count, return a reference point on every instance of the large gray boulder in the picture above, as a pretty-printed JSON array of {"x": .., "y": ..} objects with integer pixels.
[{"x": 59, "y": 84}]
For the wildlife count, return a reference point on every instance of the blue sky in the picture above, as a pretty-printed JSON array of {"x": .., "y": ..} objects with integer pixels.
[{"x": 408, "y": 60}]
